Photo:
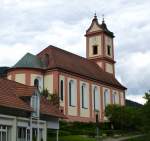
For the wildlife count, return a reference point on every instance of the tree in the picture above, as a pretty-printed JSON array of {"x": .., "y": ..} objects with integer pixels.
[
  {"x": 53, "y": 98},
  {"x": 124, "y": 118},
  {"x": 146, "y": 112}
]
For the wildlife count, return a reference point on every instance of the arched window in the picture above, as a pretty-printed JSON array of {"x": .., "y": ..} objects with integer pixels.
[
  {"x": 36, "y": 83},
  {"x": 72, "y": 93},
  {"x": 106, "y": 98},
  {"x": 84, "y": 96},
  {"x": 96, "y": 98},
  {"x": 61, "y": 90},
  {"x": 114, "y": 98}
]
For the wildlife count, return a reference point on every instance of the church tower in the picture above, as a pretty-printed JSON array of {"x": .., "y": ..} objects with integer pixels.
[{"x": 99, "y": 45}]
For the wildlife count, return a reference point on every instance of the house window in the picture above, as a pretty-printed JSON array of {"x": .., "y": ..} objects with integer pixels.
[
  {"x": 95, "y": 99},
  {"x": 61, "y": 90},
  {"x": 84, "y": 96},
  {"x": 95, "y": 49},
  {"x": 21, "y": 133},
  {"x": 5, "y": 133},
  {"x": 72, "y": 92},
  {"x": 109, "y": 50}
]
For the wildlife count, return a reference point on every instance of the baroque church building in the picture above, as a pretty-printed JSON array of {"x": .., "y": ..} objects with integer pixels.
[{"x": 85, "y": 85}]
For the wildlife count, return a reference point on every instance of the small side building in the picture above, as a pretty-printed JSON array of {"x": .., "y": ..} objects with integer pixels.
[{"x": 17, "y": 108}]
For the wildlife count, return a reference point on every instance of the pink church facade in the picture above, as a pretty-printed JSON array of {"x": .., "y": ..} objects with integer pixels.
[{"x": 84, "y": 85}]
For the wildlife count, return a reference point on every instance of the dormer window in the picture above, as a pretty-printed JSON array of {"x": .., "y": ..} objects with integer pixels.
[
  {"x": 95, "y": 49},
  {"x": 109, "y": 50}
]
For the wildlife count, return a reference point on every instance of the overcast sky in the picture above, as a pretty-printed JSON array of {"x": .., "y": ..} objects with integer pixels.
[{"x": 32, "y": 25}]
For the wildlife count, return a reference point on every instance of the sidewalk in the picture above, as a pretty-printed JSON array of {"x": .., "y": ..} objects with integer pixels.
[{"x": 121, "y": 138}]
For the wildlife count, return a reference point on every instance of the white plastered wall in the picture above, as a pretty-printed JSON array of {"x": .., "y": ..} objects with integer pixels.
[
  {"x": 20, "y": 78},
  {"x": 122, "y": 98},
  {"x": 48, "y": 83},
  {"x": 95, "y": 40},
  {"x": 9, "y": 77},
  {"x": 109, "y": 68}
]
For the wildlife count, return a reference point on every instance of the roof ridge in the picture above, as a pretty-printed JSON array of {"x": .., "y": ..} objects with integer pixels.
[{"x": 70, "y": 53}]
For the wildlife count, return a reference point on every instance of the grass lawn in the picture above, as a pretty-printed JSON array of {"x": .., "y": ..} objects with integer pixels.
[
  {"x": 74, "y": 138},
  {"x": 142, "y": 138}
]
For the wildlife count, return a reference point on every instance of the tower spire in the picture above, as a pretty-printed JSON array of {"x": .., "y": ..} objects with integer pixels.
[
  {"x": 95, "y": 16},
  {"x": 103, "y": 18}
]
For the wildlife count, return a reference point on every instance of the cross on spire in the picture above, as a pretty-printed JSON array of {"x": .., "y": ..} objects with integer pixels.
[
  {"x": 103, "y": 18},
  {"x": 95, "y": 16}
]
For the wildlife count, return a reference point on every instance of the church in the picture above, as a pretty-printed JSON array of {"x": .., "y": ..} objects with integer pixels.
[{"x": 85, "y": 86}]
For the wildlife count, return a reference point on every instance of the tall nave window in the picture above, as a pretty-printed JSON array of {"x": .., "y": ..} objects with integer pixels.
[
  {"x": 72, "y": 93},
  {"x": 96, "y": 98},
  {"x": 84, "y": 96},
  {"x": 61, "y": 90}
]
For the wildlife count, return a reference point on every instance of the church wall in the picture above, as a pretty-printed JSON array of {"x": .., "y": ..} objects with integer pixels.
[
  {"x": 79, "y": 113},
  {"x": 95, "y": 27},
  {"x": 95, "y": 40},
  {"x": 48, "y": 82},
  {"x": 9, "y": 77},
  {"x": 20, "y": 78},
  {"x": 108, "y": 41},
  {"x": 109, "y": 68}
]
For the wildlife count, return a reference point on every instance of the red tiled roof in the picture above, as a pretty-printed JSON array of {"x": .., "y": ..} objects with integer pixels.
[
  {"x": 62, "y": 59},
  {"x": 11, "y": 93},
  {"x": 8, "y": 96},
  {"x": 49, "y": 109}
]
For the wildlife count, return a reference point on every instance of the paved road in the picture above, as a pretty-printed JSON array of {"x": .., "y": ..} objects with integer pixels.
[{"x": 121, "y": 138}]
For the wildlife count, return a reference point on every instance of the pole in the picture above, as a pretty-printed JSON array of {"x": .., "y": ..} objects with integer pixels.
[
  {"x": 57, "y": 136},
  {"x": 31, "y": 128},
  {"x": 38, "y": 130},
  {"x": 97, "y": 128}
]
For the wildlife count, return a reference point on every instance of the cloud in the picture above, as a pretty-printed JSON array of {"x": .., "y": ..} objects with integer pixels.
[{"x": 31, "y": 25}]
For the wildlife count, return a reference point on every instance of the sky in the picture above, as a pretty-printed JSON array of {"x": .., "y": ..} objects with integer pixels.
[{"x": 32, "y": 25}]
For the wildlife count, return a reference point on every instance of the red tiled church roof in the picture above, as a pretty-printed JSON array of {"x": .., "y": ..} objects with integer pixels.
[
  {"x": 11, "y": 93},
  {"x": 67, "y": 61}
]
